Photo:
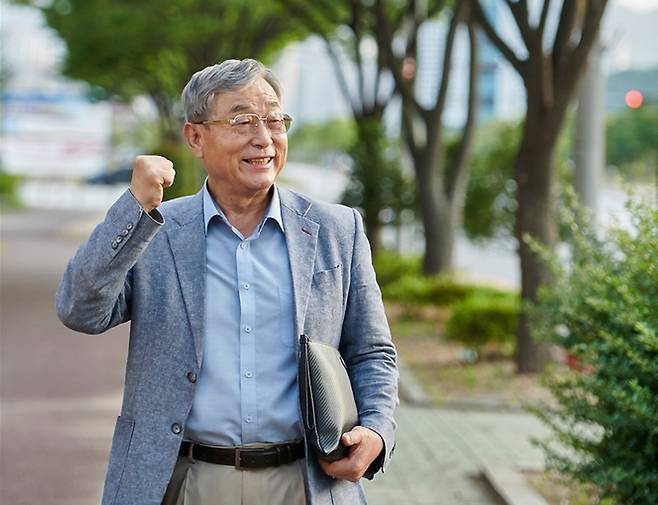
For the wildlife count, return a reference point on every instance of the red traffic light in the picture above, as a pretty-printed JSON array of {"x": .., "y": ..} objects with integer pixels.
[{"x": 634, "y": 99}]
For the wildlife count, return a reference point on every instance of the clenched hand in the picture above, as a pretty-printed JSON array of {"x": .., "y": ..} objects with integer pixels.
[
  {"x": 151, "y": 174},
  {"x": 365, "y": 445}
]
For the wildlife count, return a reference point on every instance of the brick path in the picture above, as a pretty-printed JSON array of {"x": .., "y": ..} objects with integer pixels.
[{"x": 440, "y": 454}]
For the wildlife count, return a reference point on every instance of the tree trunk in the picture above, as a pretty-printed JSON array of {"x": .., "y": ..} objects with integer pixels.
[
  {"x": 535, "y": 178},
  {"x": 436, "y": 215},
  {"x": 369, "y": 171}
]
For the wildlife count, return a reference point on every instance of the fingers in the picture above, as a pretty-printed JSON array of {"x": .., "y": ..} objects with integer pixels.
[
  {"x": 365, "y": 445},
  {"x": 151, "y": 174},
  {"x": 350, "y": 468},
  {"x": 353, "y": 437}
]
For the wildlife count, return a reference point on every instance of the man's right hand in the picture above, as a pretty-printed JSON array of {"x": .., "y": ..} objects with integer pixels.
[{"x": 151, "y": 174}]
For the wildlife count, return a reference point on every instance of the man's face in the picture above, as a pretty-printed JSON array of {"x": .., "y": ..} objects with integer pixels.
[{"x": 242, "y": 165}]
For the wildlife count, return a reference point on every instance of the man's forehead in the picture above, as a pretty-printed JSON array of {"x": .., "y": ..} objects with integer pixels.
[
  {"x": 240, "y": 107},
  {"x": 253, "y": 96}
]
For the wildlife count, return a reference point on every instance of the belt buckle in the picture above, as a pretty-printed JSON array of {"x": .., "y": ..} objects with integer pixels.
[{"x": 238, "y": 461}]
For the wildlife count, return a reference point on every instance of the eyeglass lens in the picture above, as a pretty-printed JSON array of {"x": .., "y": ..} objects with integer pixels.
[{"x": 276, "y": 122}]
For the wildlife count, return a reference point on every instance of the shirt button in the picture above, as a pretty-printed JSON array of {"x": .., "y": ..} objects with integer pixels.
[
  {"x": 248, "y": 419},
  {"x": 176, "y": 428},
  {"x": 191, "y": 376},
  {"x": 243, "y": 245},
  {"x": 246, "y": 285},
  {"x": 129, "y": 226},
  {"x": 248, "y": 375},
  {"x": 247, "y": 329}
]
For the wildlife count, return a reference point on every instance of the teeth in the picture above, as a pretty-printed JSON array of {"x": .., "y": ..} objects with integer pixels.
[{"x": 260, "y": 161}]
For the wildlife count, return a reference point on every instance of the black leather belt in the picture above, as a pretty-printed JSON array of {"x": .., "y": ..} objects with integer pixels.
[{"x": 245, "y": 457}]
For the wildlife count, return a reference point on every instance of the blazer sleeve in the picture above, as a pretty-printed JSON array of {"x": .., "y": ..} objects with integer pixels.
[
  {"x": 94, "y": 294},
  {"x": 368, "y": 350}
]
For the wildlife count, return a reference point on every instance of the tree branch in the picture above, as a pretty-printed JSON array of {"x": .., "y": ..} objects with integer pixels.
[
  {"x": 355, "y": 24},
  {"x": 508, "y": 54},
  {"x": 563, "y": 34},
  {"x": 409, "y": 137},
  {"x": 589, "y": 31},
  {"x": 541, "y": 26},
  {"x": 342, "y": 81},
  {"x": 384, "y": 36},
  {"x": 457, "y": 175},
  {"x": 434, "y": 118},
  {"x": 519, "y": 10}
]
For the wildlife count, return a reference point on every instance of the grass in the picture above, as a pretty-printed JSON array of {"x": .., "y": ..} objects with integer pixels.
[
  {"x": 557, "y": 489},
  {"x": 444, "y": 368}
]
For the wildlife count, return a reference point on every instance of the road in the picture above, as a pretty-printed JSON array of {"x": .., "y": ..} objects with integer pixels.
[{"x": 59, "y": 390}]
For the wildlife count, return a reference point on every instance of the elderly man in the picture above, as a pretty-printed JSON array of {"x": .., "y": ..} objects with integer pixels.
[{"x": 218, "y": 287}]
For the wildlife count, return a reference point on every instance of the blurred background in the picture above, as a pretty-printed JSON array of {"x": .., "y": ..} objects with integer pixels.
[{"x": 455, "y": 127}]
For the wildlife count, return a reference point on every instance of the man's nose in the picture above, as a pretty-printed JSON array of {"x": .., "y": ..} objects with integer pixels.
[{"x": 262, "y": 135}]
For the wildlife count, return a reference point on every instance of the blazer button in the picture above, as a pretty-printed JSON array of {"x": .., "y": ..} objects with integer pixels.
[
  {"x": 176, "y": 428},
  {"x": 129, "y": 226},
  {"x": 191, "y": 376}
]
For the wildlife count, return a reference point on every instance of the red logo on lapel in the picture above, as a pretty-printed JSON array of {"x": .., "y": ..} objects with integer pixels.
[{"x": 307, "y": 232}]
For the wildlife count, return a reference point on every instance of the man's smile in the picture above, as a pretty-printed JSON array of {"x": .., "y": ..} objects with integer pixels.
[{"x": 259, "y": 162}]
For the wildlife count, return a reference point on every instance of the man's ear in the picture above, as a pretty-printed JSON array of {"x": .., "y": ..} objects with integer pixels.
[{"x": 192, "y": 134}]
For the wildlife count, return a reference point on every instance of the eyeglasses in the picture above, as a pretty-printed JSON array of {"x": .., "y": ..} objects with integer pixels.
[{"x": 247, "y": 124}]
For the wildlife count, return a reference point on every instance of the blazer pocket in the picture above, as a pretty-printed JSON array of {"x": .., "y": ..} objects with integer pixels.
[
  {"x": 325, "y": 304},
  {"x": 123, "y": 434},
  {"x": 330, "y": 270}
]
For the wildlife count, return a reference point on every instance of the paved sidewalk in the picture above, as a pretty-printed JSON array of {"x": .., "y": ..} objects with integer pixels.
[
  {"x": 60, "y": 395},
  {"x": 441, "y": 454}
]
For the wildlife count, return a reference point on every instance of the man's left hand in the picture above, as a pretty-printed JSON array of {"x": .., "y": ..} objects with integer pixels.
[{"x": 365, "y": 445}]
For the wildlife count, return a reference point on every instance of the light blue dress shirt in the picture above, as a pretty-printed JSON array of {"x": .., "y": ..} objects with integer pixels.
[{"x": 247, "y": 387}]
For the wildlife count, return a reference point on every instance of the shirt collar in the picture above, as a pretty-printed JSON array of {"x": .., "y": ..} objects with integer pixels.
[{"x": 211, "y": 209}]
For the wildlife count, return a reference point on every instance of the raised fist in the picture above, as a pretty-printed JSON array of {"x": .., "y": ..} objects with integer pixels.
[{"x": 151, "y": 174}]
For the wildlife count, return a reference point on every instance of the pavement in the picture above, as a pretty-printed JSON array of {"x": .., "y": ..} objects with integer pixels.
[{"x": 60, "y": 393}]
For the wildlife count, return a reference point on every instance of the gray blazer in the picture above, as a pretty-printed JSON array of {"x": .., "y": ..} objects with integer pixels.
[{"x": 132, "y": 268}]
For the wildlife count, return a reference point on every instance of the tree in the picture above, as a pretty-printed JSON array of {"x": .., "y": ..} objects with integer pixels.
[
  {"x": 373, "y": 172},
  {"x": 550, "y": 69},
  {"x": 602, "y": 310},
  {"x": 440, "y": 187},
  {"x": 490, "y": 199},
  {"x": 152, "y": 47}
]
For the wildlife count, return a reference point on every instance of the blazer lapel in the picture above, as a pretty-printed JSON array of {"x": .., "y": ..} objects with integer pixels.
[
  {"x": 188, "y": 244},
  {"x": 301, "y": 238}
]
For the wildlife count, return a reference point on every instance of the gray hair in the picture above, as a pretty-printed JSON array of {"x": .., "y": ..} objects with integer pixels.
[{"x": 199, "y": 93}]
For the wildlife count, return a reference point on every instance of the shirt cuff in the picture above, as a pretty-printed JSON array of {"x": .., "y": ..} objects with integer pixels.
[{"x": 155, "y": 214}]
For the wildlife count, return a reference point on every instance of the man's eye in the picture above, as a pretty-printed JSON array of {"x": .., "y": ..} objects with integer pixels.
[{"x": 243, "y": 120}]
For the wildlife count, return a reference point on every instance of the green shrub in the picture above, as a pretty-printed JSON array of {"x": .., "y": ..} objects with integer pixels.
[
  {"x": 8, "y": 186},
  {"x": 603, "y": 309},
  {"x": 484, "y": 317},
  {"x": 391, "y": 267},
  {"x": 416, "y": 289}
]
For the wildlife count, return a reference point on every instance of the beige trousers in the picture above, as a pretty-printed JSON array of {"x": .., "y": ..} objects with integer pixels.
[{"x": 200, "y": 483}]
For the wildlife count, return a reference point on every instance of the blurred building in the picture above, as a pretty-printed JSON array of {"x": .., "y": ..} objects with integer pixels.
[{"x": 49, "y": 128}]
